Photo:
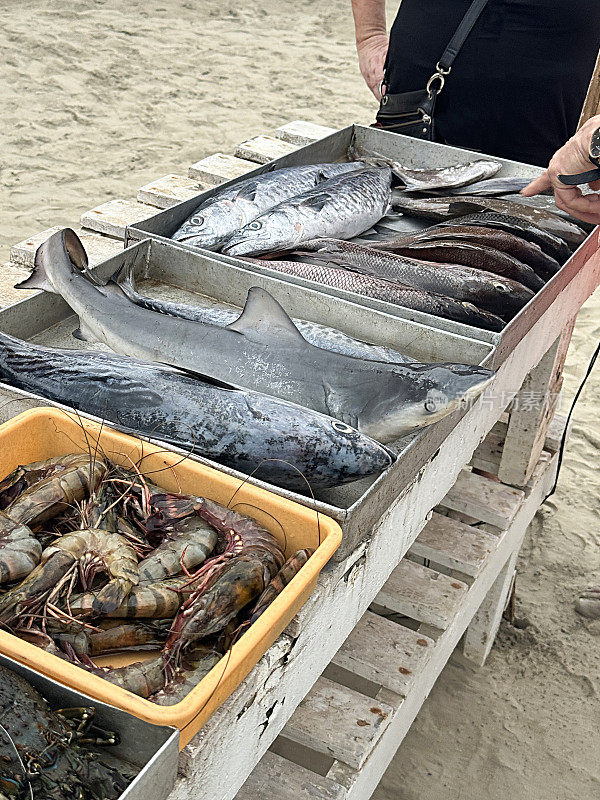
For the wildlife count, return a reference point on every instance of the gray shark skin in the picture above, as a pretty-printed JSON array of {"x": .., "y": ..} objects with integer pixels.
[
  {"x": 262, "y": 351},
  {"x": 229, "y": 209},
  {"x": 222, "y": 315},
  {"x": 343, "y": 207},
  {"x": 246, "y": 431}
]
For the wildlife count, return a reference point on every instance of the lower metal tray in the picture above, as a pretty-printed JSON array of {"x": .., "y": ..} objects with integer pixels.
[
  {"x": 47, "y": 319},
  {"x": 153, "y": 749}
]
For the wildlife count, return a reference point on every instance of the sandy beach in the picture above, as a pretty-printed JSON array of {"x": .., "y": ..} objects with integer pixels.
[{"x": 100, "y": 100}]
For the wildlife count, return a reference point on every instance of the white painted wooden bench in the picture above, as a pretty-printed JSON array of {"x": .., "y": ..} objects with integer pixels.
[
  {"x": 343, "y": 735},
  {"x": 399, "y": 628}
]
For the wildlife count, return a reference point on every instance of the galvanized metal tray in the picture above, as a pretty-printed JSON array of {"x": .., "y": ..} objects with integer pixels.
[
  {"x": 153, "y": 749},
  {"x": 410, "y": 152},
  {"x": 181, "y": 274}
]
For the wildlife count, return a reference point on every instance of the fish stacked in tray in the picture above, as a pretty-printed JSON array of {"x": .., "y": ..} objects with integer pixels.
[
  {"x": 308, "y": 405},
  {"x": 479, "y": 265}
]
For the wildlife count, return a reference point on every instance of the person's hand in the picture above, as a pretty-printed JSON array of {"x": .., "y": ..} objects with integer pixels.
[
  {"x": 371, "y": 58},
  {"x": 572, "y": 158}
]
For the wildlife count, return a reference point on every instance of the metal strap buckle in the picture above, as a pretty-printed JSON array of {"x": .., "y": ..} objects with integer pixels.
[{"x": 439, "y": 75}]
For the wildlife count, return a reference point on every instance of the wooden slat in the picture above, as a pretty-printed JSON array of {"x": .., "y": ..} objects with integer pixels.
[
  {"x": 453, "y": 544},
  {"x": 113, "y": 217},
  {"x": 488, "y": 454},
  {"x": 264, "y": 148},
  {"x": 422, "y": 594},
  {"x": 169, "y": 190},
  {"x": 22, "y": 253},
  {"x": 384, "y": 652},
  {"x": 485, "y": 499},
  {"x": 9, "y": 275},
  {"x": 97, "y": 247},
  {"x": 531, "y": 413},
  {"x": 555, "y": 433},
  {"x": 220, "y": 167},
  {"x": 358, "y": 723},
  {"x": 276, "y": 778},
  {"x": 300, "y": 132}
]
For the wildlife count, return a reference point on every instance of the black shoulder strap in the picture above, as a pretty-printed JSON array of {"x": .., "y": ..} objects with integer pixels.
[{"x": 464, "y": 29}]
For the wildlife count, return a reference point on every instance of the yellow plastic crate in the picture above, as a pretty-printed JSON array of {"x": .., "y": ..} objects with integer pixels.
[{"x": 47, "y": 432}]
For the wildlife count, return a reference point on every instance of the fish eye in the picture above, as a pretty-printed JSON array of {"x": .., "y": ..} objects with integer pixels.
[
  {"x": 501, "y": 287},
  {"x": 199, "y": 220},
  {"x": 254, "y": 226},
  {"x": 341, "y": 427}
]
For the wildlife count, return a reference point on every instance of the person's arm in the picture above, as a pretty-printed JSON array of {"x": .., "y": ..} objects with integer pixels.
[
  {"x": 572, "y": 158},
  {"x": 371, "y": 40}
]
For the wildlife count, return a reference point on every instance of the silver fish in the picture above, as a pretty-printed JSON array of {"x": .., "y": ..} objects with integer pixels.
[
  {"x": 232, "y": 207},
  {"x": 222, "y": 315},
  {"x": 245, "y": 431},
  {"x": 262, "y": 351},
  {"x": 343, "y": 207},
  {"x": 494, "y": 293},
  {"x": 426, "y": 180},
  {"x": 389, "y": 292}
]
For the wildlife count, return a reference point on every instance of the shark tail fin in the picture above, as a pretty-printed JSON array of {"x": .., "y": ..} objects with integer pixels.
[
  {"x": 123, "y": 278},
  {"x": 63, "y": 245}
]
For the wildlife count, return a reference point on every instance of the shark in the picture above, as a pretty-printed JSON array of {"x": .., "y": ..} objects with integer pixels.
[{"x": 262, "y": 351}]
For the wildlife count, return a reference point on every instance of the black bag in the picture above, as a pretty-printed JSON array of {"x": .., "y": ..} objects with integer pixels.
[{"x": 412, "y": 113}]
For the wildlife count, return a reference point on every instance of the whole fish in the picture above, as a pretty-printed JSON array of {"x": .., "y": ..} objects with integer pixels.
[
  {"x": 342, "y": 207},
  {"x": 551, "y": 245},
  {"x": 262, "y": 351},
  {"x": 246, "y": 431},
  {"x": 390, "y": 292},
  {"x": 521, "y": 249},
  {"x": 491, "y": 187},
  {"x": 426, "y": 180},
  {"x": 442, "y": 209},
  {"x": 485, "y": 290},
  {"x": 232, "y": 207},
  {"x": 477, "y": 256},
  {"x": 222, "y": 315}
]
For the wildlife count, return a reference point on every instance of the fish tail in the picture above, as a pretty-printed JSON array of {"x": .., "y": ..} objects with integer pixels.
[
  {"x": 63, "y": 246},
  {"x": 123, "y": 277}
]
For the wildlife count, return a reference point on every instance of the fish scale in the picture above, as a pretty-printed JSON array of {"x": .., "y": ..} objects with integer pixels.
[
  {"x": 232, "y": 207},
  {"x": 491, "y": 292},
  {"x": 389, "y": 292},
  {"x": 342, "y": 207}
]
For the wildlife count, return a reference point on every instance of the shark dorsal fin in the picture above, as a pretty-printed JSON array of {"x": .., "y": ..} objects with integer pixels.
[{"x": 262, "y": 315}]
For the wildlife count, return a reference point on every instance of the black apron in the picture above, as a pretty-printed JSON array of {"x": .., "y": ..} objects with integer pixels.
[{"x": 518, "y": 84}]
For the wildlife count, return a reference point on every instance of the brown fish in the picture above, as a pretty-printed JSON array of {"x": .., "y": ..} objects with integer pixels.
[
  {"x": 522, "y": 250},
  {"x": 446, "y": 208},
  {"x": 389, "y": 292},
  {"x": 477, "y": 256}
]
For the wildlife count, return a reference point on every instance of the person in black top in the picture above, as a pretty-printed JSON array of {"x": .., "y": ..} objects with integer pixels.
[{"x": 518, "y": 84}]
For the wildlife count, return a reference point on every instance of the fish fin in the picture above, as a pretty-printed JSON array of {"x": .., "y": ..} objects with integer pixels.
[
  {"x": 123, "y": 277},
  {"x": 83, "y": 333},
  {"x": 262, "y": 314},
  {"x": 316, "y": 202},
  {"x": 248, "y": 192},
  {"x": 63, "y": 244}
]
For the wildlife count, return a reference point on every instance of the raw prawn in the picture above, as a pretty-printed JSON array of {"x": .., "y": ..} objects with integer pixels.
[
  {"x": 291, "y": 568},
  {"x": 189, "y": 545},
  {"x": 20, "y": 551}
]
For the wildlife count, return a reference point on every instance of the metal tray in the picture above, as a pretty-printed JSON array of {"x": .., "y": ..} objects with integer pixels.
[
  {"x": 154, "y": 749},
  {"x": 47, "y": 319},
  {"x": 411, "y": 152}
]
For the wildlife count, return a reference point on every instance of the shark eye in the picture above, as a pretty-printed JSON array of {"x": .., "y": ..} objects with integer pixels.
[
  {"x": 199, "y": 220},
  {"x": 341, "y": 427},
  {"x": 254, "y": 226}
]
